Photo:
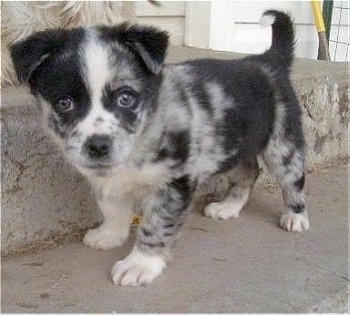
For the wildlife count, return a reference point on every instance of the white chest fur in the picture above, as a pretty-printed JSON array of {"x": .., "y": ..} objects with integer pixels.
[{"x": 131, "y": 181}]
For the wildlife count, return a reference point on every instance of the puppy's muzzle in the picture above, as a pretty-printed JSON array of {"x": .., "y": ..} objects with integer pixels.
[{"x": 98, "y": 146}]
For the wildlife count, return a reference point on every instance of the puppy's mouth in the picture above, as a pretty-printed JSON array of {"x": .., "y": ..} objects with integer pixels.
[
  {"x": 99, "y": 169},
  {"x": 102, "y": 169},
  {"x": 98, "y": 166}
]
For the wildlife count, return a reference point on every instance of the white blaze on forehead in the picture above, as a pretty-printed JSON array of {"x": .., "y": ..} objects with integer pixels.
[
  {"x": 97, "y": 75},
  {"x": 97, "y": 68}
]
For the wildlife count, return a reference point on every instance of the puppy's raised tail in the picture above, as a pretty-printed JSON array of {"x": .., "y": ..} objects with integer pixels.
[{"x": 283, "y": 37}]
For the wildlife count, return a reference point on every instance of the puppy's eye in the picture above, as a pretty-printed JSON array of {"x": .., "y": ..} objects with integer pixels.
[
  {"x": 65, "y": 104},
  {"x": 126, "y": 99}
]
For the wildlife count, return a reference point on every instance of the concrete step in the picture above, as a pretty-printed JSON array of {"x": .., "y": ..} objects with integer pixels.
[
  {"x": 241, "y": 265},
  {"x": 43, "y": 198}
]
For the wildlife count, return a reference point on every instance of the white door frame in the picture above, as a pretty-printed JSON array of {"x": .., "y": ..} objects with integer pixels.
[
  {"x": 234, "y": 26},
  {"x": 203, "y": 19}
]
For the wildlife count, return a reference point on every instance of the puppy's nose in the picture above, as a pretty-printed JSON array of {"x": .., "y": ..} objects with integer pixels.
[{"x": 98, "y": 146}]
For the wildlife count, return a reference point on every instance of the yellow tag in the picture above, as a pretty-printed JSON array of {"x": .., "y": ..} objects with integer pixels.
[{"x": 136, "y": 220}]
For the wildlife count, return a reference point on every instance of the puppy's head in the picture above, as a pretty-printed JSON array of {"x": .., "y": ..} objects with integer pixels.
[{"x": 97, "y": 88}]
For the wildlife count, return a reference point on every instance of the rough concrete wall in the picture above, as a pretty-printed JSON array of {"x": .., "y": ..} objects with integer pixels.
[
  {"x": 42, "y": 196},
  {"x": 324, "y": 101}
]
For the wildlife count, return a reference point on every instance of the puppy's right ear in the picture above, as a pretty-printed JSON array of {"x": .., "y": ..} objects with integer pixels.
[
  {"x": 147, "y": 43},
  {"x": 29, "y": 53}
]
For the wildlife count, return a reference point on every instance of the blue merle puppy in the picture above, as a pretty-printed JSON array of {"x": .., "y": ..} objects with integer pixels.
[{"x": 148, "y": 135}]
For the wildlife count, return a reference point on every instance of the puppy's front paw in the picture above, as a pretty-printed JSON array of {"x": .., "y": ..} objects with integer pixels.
[
  {"x": 137, "y": 269},
  {"x": 295, "y": 222},
  {"x": 104, "y": 238}
]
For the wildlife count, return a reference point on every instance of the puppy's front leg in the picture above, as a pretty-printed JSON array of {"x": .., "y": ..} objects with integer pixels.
[
  {"x": 163, "y": 217},
  {"x": 114, "y": 230}
]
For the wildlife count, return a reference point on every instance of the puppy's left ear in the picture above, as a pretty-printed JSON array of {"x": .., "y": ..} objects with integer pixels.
[
  {"x": 28, "y": 54},
  {"x": 146, "y": 42}
]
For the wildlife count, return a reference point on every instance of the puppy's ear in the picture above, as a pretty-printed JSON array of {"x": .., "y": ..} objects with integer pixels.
[
  {"x": 29, "y": 53},
  {"x": 146, "y": 42}
]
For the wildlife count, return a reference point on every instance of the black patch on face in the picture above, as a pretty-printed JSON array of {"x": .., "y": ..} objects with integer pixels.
[
  {"x": 299, "y": 184},
  {"x": 126, "y": 116},
  {"x": 59, "y": 76},
  {"x": 145, "y": 95},
  {"x": 64, "y": 82}
]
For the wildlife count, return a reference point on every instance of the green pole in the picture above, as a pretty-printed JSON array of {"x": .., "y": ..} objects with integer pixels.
[{"x": 327, "y": 10}]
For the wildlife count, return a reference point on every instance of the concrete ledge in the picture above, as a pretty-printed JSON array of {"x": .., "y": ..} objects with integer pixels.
[{"x": 43, "y": 197}]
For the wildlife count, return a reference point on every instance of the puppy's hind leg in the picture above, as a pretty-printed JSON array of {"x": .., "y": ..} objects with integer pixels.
[
  {"x": 286, "y": 162},
  {"x": 242, "y": 179}
]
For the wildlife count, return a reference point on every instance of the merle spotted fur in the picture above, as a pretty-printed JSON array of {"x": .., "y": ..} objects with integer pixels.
[{"x": 147, "y": 135}]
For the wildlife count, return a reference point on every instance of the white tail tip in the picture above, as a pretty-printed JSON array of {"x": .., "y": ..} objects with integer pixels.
[{"x": 267, "y": 20}]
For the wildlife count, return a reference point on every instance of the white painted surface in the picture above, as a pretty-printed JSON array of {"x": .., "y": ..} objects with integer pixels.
[
  {"x": 174, "y": 25},
  {"x": 166, "y": 8},
  {"x": 169, "y": 16},
  {"x": 234, "y": 26},
  {"x": 197, "y": 24}
]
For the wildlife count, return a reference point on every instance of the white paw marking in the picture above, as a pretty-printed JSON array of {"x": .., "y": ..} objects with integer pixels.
[
  {"x": 137, "y": 269},
  {"x": 104, "y": 238},
  {"x": 295, "y": 222}
]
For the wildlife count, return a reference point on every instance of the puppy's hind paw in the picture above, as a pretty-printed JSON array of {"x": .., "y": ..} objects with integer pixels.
[{"x": 295, "y": 222}]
